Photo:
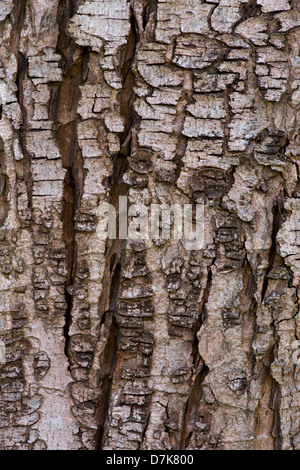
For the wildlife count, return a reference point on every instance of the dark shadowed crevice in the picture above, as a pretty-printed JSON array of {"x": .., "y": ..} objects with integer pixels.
[
  {"x": 69, "y": 239},
  {"x": 191, "y": 413},
  {"x": 109, "y": 360},
  {"x": 115, "y": 248},
  {"x": 108, "y": 303},
  {"x": 250, "y": 292},
  {"x": 193, "y": 407},
  {"x": 276, "y": 404},
  {"x": 249, "y": 10},
  {"x": 205, "y": 295},
  {"x": 127, "y": 94},
  {"x": 277, "y": 220},
  {"x": 202, "y": 315},
  {"x": 18, "y": 17},
  {"x": 149, "y": 9},
  {"x": 3, "y": 186},
  {"x": 63, "y": 107},
  {"x": 267, "y": 426},
  {"x": 264, "y": 414}
]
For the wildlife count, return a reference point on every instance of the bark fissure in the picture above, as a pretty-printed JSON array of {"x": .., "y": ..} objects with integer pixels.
[
  {"x": 115, "y": 248},
  {"x": 193, "y": 406},
  {"x": 277, "y": 220},
  {"x": 65, "y": 130}
]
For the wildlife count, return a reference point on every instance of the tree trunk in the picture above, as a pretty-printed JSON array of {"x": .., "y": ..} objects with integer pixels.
[{"x": 146, "y": 344}]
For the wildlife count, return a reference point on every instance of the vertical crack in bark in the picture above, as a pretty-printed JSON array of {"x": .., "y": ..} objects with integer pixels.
[
  {"x": 276, "y": 405},
  {"x": 251, "y": 291},
  {"x": 115, "y": 248},
  {"x": 149, "y": 9},
  {"x": 202, "y": 314},
  {"x": 267, "y": 428},
  {"x": 193, "y": 406},
  {"x": 108, "y": 303},
  {"x": 267, "y": 423},
  {"x": 69, "y": 239},
  {"x": 109, "y": 360},
  {"x": 200, "y": 368},
  {"x": 273, "y": 250},
  {"x": 264, "y": 414},
  {"x": 65, "y": 130},
  {"x": 3, "y": 186}
]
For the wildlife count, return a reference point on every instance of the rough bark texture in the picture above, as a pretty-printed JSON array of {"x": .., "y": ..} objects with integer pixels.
[{"x": 122, "y": 345}]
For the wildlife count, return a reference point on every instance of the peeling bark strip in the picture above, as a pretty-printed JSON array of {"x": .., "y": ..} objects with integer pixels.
[{"x": 144, "y": 345}]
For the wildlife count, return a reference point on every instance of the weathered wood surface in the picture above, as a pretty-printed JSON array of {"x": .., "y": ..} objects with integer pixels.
[{"x": 149, "y": 346}]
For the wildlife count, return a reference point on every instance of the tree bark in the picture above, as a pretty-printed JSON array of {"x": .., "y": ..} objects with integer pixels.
[{"x": 122, "y": 344}]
